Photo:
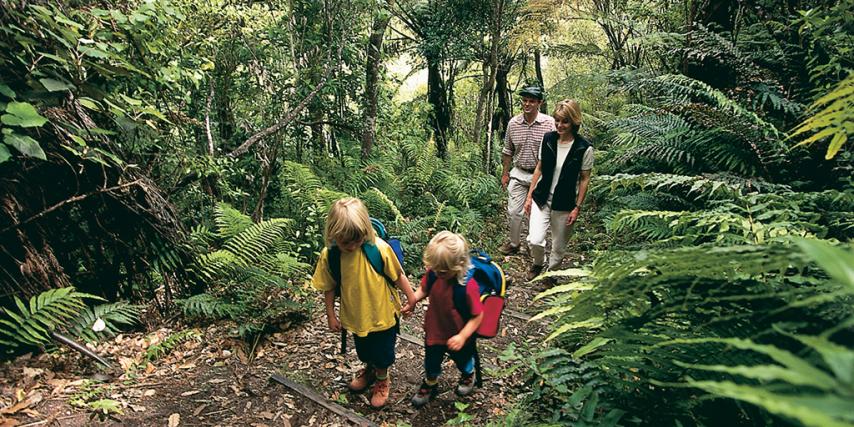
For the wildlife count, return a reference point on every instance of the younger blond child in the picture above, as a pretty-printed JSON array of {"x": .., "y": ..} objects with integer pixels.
[
  {"x": 445, "y": 330},
  {"x": 370, "y": 308}
]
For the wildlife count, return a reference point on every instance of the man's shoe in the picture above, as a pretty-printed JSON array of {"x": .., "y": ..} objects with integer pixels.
[
  {"x": 424, "y": 394},
  {"x": 508, "y": 249},
  {"x": 466, "y": 385},
  {"x": 363, "y": 380},
  {"x": 379, "y": 393},
  {"x": 533, "y": 272}
]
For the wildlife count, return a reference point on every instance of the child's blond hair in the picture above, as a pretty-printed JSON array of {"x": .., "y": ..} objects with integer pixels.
[
  {"x": 348, "y": 221},
  {"x": 448, "y": 252}
]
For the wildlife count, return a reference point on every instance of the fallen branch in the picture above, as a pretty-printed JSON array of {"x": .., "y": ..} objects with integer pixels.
[
  {"x": 62, "y": 339},
  {"x": 322, "y": 401}
]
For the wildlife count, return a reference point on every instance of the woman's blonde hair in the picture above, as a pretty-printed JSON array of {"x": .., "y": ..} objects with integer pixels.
[
  {"x": 569, "y": 109},
  {"x": 348, "y": 221},
  {"x": 447, "y": 252}
]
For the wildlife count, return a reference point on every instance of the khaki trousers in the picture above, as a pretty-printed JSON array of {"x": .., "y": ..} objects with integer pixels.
[{"x": 541, "y": 220}]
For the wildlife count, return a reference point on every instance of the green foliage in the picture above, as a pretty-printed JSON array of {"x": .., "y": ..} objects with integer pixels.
[
  {"x": 112, "y": 315},
  {"x": 253, "y": 278},
  {"x": 835, "y": 120},
  {"x": 157, "y": 351},
  {"x": 90, "y": 396},
  {"x": 462, "y": 418},
  {"x": 54, "y": 53},
  {"x": 650, "y": 323},
  {"x": 33, "y": 323}
]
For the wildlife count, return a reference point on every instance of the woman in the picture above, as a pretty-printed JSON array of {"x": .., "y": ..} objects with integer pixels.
[{"x": 558, "y": 186}]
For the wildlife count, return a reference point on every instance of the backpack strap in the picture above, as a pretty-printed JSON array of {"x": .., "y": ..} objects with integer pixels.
[
  {"x": 371, "y": 251},
  {"x": 459, "y": 297},
  {"x": 334, "y": 261}
]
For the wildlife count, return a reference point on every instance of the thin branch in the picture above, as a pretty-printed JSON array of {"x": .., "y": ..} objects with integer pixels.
[
  {"x": 244, "y": 147},
  {"x": 208, "y": 118},
  {"x": 327, "y": 122}
]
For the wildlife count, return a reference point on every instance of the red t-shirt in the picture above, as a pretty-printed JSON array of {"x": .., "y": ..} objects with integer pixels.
[{"x": 442, "y": 320}]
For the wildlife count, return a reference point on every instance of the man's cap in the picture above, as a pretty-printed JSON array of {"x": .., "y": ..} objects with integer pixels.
[{"x": 532, "y": 91}]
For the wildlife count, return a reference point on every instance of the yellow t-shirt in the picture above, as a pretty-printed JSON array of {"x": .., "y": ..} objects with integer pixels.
[{"x": 368, "y": 303}]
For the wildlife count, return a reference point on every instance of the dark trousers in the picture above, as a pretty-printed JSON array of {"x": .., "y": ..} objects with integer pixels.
[
  {"x": 435, "y": 354},
  {"x": 377, "y": 348}
]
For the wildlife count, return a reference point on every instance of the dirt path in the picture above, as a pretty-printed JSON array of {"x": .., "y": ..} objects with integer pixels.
[{"x": 207, "y": 380}]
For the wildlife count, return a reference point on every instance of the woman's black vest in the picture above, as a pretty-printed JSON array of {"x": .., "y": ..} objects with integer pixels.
[{"x": 563, "y": 198}]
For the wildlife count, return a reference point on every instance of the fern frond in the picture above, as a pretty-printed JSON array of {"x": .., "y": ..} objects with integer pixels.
[
  {"x": 206, "y": 306},
  {"x": 835, "y": 120},
  {"x": 255, "y": 240},
  {"x": 47, "y": 311},
  {"x": 380, "y": 205},
  {"x": 681, "y": 88},
  {"x": 113, "y": 315},
  {"x": 229, "y": 221}
]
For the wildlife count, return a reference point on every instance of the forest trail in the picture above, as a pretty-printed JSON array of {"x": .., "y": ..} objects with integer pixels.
[{"x": 208, "y": 380}]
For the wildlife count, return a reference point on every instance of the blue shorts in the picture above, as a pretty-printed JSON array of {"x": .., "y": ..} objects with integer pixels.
[
  {"x": 435, "y": 354},
  {"x": 377, "y": 348}
]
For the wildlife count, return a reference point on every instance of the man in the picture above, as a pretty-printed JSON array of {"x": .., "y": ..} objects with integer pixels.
[{"x": 522, "y": 147}]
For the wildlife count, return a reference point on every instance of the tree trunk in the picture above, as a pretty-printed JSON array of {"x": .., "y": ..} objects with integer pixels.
[
  {"x": 440, "y": 117},
  {"x": 225, "y": 116},
  {"x": 316, "y": 116},
  {"x": 487, "y": 91},
  {"x": 502, "y": 89},
  {"x": 483, "y": 94},
  {"x": 372, "y": 72},
  {"x": 538, "y": 68}
]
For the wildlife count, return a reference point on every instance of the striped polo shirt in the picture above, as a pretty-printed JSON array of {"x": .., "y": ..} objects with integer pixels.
[{"x": 522, "y": 141}]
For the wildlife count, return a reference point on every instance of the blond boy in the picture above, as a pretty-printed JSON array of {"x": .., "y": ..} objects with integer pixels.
[{"x": 370, "y": 309}]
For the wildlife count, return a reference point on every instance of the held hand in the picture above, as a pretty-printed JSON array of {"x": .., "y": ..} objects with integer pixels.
[
  {"x": 456, "y": 342},
  {"x": 409, "y": 306},
  {"x": 334, "y": 324},
  {"x": 573, "y": 215},
  {"x": 528, "y": 201},
  {"x": 505, "y": 179}
]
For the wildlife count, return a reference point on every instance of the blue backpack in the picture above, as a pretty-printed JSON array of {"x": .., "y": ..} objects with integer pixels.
[
  {"x": 493, "y": 287},
  {"x": 374, "y": 258}
]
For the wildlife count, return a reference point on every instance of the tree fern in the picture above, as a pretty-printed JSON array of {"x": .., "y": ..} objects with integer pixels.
[
  {"x": 32, "y": 324},
  {"x": 250, "y": 277},
  {"x": 677, "y": 88}
]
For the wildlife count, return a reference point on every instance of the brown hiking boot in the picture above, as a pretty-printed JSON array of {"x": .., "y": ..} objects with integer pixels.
[
  {"x": 379, "y": 394},
  {"x": 508, "y": 249},
  {"x": 533, "y": 272},
  {"x": 363, "y": 380}
]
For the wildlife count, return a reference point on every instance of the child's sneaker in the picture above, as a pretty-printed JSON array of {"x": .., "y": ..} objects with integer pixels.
[
  {"x": 466, "y": 385},
  {"x": 424, "y": 394},
  {"x": 363, "y": 380},
  {"x": 379, "y": 394}
]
